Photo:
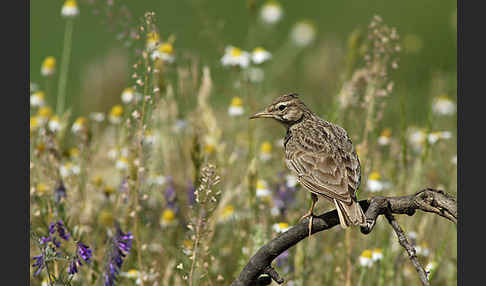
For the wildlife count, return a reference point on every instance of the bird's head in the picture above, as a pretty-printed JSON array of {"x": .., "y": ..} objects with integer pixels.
[{"x": 287, "y": 109}]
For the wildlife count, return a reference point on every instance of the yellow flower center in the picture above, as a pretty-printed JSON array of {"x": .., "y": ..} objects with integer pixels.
[
  {"x": 367, "y": 253},
  {"x": 378, "y": 250},
  {"x": 128, "y": 90},
  {"x": 266, "y": 147},
  {"x": 386, "y": 132},
  {"x": 41, "y": 188},
  {"x": 236, "y": 101},
  {"x": 132, "y": 273},
  {"x": 166, "y": 48},
  {"x": 108, "y": 190},
  {"x": 45, "y": 111},
  {"x": 152, "y": 37},
  {"x": 34, "y": 122},
  {"x": 80, "y": 121},
  {"x": 187, "y": 243},
  {"x": 227, "y": 211},
  {"x": 168, "y": 215},
  {"x": 55, "y": 118},
  {"x": 74, "y": 152},
  {"x": 123, "y": 159},
  {"x": 259, "y": 50},
  {"x": 116, "y": 110},
  {"x": 70, "y": 3},
  {"x": 261, "y": 184},
  {"x": 283, "y": 225},
  {"x": 39, "y": 94},
  {"x": 105, "y": 218},
  {"x": 97, "y": 180},
  {"x": 235, "y": 52},
  {"x": 49, "y": 63},
  {"x": 209, "y": 148},
  {"x": 375, "y": 176}
]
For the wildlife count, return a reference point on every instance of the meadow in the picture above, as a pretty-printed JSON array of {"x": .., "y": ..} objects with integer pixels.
[{"x": 144, "y": 166}]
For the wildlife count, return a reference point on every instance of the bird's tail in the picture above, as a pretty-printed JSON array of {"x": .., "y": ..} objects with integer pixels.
[{"x": 349, "y": 214}]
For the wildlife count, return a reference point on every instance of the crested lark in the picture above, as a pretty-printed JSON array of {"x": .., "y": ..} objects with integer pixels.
[{"x": 321, "y": 155}]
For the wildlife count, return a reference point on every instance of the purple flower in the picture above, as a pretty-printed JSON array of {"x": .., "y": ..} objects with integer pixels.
[
  {"x": 191, "y": 196},
  {"x": 121, "y": 245},
  {"x": 60, "y": 192},
  {"x": 284, "y": 196},
  {"x": 61, "y": 230},
  {"x": 170, "y": 194},
  {"x": 84, "y": 252},
  {"x": 73, "y": 267},
  {"x": 45, "y": 240},
  {"x": 39, "y": 264},
  {"x": 282, "y": 261}
]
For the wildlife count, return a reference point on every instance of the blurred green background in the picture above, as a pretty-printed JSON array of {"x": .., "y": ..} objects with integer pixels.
[{"x": 427, "y": 28}]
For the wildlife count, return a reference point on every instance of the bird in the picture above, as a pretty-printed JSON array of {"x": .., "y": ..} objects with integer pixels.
[{"x": 322, "y": 157}]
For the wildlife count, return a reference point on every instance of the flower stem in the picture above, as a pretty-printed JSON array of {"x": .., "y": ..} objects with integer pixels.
[{"x": 66, "y": 54}]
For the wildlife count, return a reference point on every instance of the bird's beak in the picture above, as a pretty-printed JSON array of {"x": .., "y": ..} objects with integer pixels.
[{"x": 262, "y": 114}]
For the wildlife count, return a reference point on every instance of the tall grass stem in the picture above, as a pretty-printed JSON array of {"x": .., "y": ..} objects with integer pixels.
[{"x": 66, "y": 55}]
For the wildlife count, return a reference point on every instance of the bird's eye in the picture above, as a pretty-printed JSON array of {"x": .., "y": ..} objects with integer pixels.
[{"x": 281, "y": 107}]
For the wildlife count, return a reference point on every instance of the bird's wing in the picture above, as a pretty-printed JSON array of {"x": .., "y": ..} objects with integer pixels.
[{"x": 327, "y": 168}]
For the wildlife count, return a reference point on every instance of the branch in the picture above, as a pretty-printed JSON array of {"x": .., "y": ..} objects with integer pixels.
[{"x": 427, "y": 200}]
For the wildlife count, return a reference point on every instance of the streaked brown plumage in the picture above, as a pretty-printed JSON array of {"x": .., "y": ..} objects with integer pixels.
[{"x": 321, "y": 155}]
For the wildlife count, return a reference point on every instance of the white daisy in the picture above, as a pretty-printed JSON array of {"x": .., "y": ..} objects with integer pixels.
[
  {"x": 281, "y": 227},
  {"x": 442, "y": 105},
  {"x": 435, "y": 136},
  {"x": 262, "y": 190},
  {"x": 235, "y": 57},
  {"x": 70, "y": 9},
  {"x": 128, "y": 94},
  {"x": 385, "y": 137},
  {"x": 255, "y": 74},
  {"x": 417, "y": 138},
  {"x": 365, "y": 259},
  {"x": 236, "y": 108},
  {"x": 303, "y": 33},
  {"x": 37, "y": 99},
  {"x": 165, "y": 52},
  {"x": 122, "y": 163},
  {"x": 291, "y": 180},
  {"x": 260, "y": 55},
  {"x": 271, "y": 12},
  {"x": 48, "y": 66},
  {"x": 153, "y": 40},
  {"x": 265, "y": 151},
  {"x": 54, "y": 124},
  {"x": 97, "y": 116},
  {"x": 377, "y": 254},
  {"x": 79, "y": 124}
]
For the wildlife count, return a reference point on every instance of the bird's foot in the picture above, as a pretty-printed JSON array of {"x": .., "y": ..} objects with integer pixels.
[{"x": 311, "y": 216}]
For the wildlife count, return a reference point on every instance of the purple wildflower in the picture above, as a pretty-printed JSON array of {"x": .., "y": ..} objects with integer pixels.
[
  {"x": 282, "y": 261},
  {"x": 284, "y": 195},
  {"x": 60, "y": 192},
  {"x": 61, "y": 230},
  {"x": 45, "y": 240},
  {"x": 170, "y": 194},
  {"x": 191, "y": 196},
  {"x": 84, "y": 252},
  {"x": 73, "y": 266},
  {"x": 39, "y": 264},
  {"x": 121, "y": 245}
]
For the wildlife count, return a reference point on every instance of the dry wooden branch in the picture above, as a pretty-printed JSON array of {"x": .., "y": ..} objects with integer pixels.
[{"x": 427, "y": 200}]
